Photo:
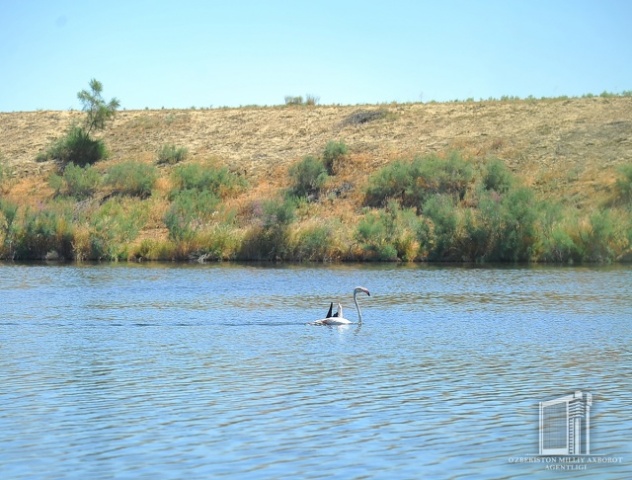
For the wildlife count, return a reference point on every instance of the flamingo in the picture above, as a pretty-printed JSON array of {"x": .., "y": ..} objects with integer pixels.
[{"x": 339, "y": 319}]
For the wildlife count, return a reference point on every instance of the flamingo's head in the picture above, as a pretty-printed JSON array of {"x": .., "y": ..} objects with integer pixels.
[{"x": 361, "y": 289}]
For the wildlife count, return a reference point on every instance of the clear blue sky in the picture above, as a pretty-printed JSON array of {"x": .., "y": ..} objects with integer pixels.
[{"x": 179, "y": 54}]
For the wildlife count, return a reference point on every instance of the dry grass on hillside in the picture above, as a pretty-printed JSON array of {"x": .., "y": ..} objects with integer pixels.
[{"x": 561, "y": 147}]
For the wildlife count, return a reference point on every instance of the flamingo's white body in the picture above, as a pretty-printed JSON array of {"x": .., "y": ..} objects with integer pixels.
[{"x": 339, "y": 319}]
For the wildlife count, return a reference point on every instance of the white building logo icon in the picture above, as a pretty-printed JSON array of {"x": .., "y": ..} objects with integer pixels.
[{"x": 565, "y": 425}]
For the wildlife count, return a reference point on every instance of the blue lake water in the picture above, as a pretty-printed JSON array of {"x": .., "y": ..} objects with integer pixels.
[{"x": 198, "y": 372}]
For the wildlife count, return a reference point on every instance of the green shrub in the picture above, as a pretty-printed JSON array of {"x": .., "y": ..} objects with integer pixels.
[
  {"x": 411, "y": 182},
  {"x": 599, "y": 237},
  {"x": 442, "y": 213},
  {"x": 269, "y": 238},
  {"x": 395, "y": 181},
  {"x": 502, "y": 228},
  {"x": 371, "y": 234},
  {"x": 8, "y": 229},
  {"x": 196, "y": 205},
  {"x": 558, "y": 246},
  {"x": 449, "y": 176},
  {"x": 157, "y": 250},
  {"x": 196, "y": 196},
  {"x": 189, "y": 210},
  {"x": 43, "y": 232},
  {"x": 407, "y": 231},
  {"x": 313, "y": 244},
  {"x": 624, "y": 184},
  {"x": 178, "y": 224},
  {"x": 496, "y": 176},
  {"x": 479, "y": 230},
  {"x": 132, "y": 178},
  {"x": 170, "y": 154},
  {"x": 278, "y": 213},
  {"x": 77, "y": 182},
  {"x": 220, "y": 181},
  {"x": 476, "y": 238},
  {"x": 518, "y": 232},
  {"x": 75, "y": 147},
  {"x": 221, "y": 242},
  {"x": 291, "y": 100},
  {"x": 309, "y": 100},
  {"x": 114, "y": 226},
  {"x": 309, "y": 177},
  {"x": 334, "y": 151},
  {"x": 391, "y": 234}
]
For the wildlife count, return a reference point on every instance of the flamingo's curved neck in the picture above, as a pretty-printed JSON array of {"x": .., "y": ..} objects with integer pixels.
[{"x": 355, "y": 300}]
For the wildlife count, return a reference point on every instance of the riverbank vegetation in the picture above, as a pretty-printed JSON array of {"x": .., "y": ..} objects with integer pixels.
[
  {"x": 423, "y": 209},
  {"x": 345, "y": 200}
]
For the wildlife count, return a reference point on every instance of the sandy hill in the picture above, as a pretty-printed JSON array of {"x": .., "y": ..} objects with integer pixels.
[{"x": 566, "y": 147}]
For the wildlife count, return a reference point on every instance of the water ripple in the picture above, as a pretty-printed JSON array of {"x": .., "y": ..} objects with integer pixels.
[{"x": 212, "y": 372}]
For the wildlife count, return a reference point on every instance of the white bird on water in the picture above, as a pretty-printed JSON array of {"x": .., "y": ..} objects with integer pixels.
[{"x": 338, "y": 319}]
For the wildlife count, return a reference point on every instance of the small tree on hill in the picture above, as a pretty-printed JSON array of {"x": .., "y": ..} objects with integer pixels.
[
  {"x": 98, "y": 111},
  {"x": 77, "y": 146},
  {"x": 309, "y": 177},
  {"x": 332, "y": 154}
]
